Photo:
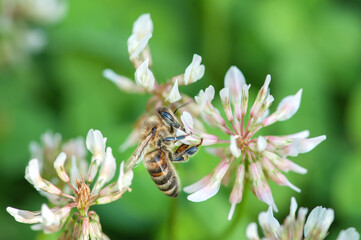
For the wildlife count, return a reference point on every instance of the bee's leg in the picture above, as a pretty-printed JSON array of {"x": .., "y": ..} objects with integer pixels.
[
  {"x": 174, "y": 139},
  {"x": 184, "y": 151}
]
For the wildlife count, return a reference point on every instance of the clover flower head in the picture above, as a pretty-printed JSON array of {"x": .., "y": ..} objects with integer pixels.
[
  {"x": 84, "y": 223},
  {"x": 256, "y": 159},
  {"x": 294, "y": 227},
  {"x": 167, "y": 93}
]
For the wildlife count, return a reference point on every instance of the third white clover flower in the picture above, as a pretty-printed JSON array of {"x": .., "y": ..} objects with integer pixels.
[
  {"x": 295, "y": 228},
  {"x": 256, "y": 158}
]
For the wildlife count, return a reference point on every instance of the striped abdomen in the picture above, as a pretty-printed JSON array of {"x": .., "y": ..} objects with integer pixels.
[{"x": 162, "y": 172}]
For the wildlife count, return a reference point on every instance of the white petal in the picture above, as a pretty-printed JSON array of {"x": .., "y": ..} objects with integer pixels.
[
  {"x": 234, "y": 80},
  {"x": 144, "y": 77},
  {"x": 205, "y": 193},
  {"x": 122, "y": 82},
  {"x": 24, "y": 216},
  {"x": 289, "y": 106},
  {"x": 261, "y": 143},
  {"x": 48, "y": 216},
  {"x": 143, "y": 25},
  {"x": 251, "y": 231},
  {"x": 194, "y": 71},
  {"x": 349, "y": 234},
  {"x": 309, "y": 144},
  {"x": 32, "y": 173},
  {"x": 293, "y": 207},
  {"x": 124, "y": 179},
  {"x": 74, "y": 172},
  {"x": 269, "y": 224},
  {"x": 320, "y": 218},
  {"x": 108, "y": 168},
  {"x": 95, "y": 143},
  {"x": 236, "y": 152},
  {"x": 187, "y": 121},
  {"x": 174, "y": 95},
  {"x": 59, "y": 167}
]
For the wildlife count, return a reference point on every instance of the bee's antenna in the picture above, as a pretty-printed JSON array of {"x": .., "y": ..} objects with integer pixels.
[{"x": 184, "y": 104}]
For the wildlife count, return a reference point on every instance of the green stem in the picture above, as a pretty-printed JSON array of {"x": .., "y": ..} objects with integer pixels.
[
  {"x": 237, "y": 217},
  {"x": 173, "y": 213}
]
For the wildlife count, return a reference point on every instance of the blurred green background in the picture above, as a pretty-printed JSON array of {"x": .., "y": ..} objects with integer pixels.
[{"x": 312, "y": 44}]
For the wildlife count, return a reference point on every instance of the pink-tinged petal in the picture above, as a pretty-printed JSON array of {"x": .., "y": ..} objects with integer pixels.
[
  {"x": 261, "y": 97},
  {"x": 204, "y": 99},
  {"x": 122, "y": 82},
  {"x": 251, "y": 231},
  {"x": 244, "y": 100},
  {"x": 348, "y": 234},
  {"x": 208, "y": 186},
  {"x": 276, "y": 175},
  {"x": 24, "y": 216},
  {"x": 174, "y": 95},
  {"x": 59, "y": 167},
  {"x": 283, "y": 163},
  {"x": 236, "y": 152},
  {"x": 309, "y": 144},
  {"x": 260, "y": 186},
  {"x": 194, "y": 136},
  {"x": 224, "y": 94},
  {"x": 208, "y": 139},
  {"x": 270, "y": 226},
  {"x": 198, "y": 185},
  {"x": 234, "y": 80},
  {"x": 237, "y": 191},
  {"x": 194, "y": 71},
  {"x": 286, "y": 109}
]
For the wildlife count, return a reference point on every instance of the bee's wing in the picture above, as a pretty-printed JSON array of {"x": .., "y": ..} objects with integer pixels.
[{"x": 137, "y": 156}]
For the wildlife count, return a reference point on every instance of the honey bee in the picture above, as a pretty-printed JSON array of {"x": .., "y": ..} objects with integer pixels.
[{"x": 158, "y": 138}]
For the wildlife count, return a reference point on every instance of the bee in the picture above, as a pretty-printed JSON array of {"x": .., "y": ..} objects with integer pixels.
[{"x": 158, "y": 138}]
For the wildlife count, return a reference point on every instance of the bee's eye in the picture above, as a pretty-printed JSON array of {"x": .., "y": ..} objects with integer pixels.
[{"x": 169, "y": 118}]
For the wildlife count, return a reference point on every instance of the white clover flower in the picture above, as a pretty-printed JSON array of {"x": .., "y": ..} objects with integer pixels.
[
  {"x": 258, "y": 158},
  {"x": 83, "y": 224},
  {"x": 295, "y": 228}
]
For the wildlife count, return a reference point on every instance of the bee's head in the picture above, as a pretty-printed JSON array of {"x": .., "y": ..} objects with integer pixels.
[{"x": 168, "y": 117}]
